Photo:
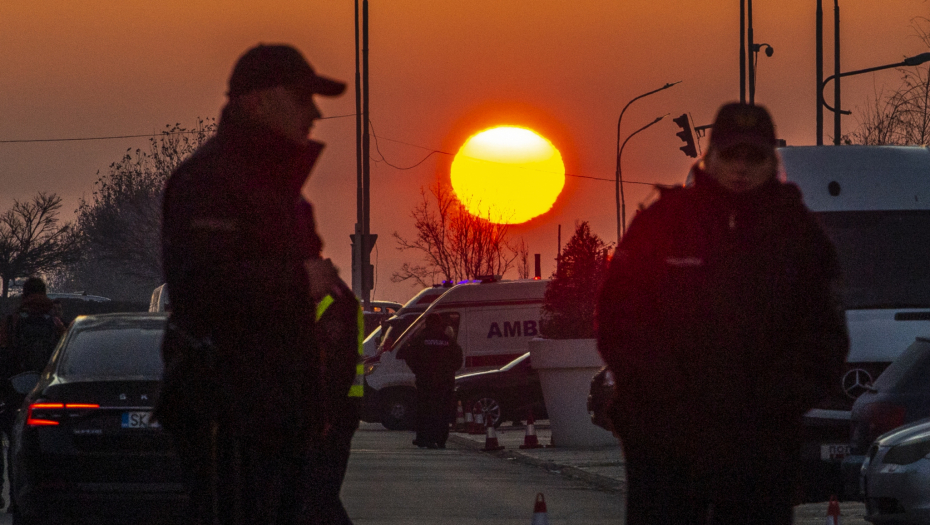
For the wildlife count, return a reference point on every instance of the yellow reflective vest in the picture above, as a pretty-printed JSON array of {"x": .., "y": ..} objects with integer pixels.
[{"x": 357, "y": 389}]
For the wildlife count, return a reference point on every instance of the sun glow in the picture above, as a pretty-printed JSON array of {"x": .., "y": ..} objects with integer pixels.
[{"x": 507, "y": 174}]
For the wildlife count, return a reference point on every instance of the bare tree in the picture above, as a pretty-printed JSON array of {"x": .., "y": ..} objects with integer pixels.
[
  {"x": 900, "y": 116},
  {"x": 32, "y": 241},
  {"x": 455, "y": 244},
  {"x": 122, "y": 220}
]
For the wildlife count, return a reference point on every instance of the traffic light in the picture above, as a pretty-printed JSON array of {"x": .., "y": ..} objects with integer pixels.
[{"x": 686, "y": 135}]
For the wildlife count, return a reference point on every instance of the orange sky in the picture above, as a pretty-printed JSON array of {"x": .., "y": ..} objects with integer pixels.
[{"x": 440, "y": 71}]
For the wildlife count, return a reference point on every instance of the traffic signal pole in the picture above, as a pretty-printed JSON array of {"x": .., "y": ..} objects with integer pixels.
[{"x": 362, "y": 239}]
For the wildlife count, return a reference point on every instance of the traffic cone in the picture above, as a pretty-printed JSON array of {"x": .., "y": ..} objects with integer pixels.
[
  {"x": 833, "y": 511},
  {"x": 490, "y": 441},
  {"x": 469, "y": 423},
  {"x": 530, "y": 440},
  {"x": 459, "y": 419},
  {"x": 479, "y": 423},
  {"x": 540, "y": 516}
]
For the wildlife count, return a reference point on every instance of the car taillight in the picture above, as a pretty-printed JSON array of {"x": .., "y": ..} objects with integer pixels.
[
  {"x": 44, "y": 414},
  {"x": 883, "y": 417}
]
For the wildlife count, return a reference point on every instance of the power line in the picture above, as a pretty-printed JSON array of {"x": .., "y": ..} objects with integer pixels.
[
  {"x": 383, "y": 159},
  {"x": 147, "y": 135},
  {"x": 432, "y": 151}
]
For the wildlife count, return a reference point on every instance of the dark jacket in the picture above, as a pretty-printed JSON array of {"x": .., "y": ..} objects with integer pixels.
[
  {"x": 719, "y": 320},
  {"x": 433, "y": 357},
  {"x": 11, "y": 361},
  {"x": 233, "y": 262}
]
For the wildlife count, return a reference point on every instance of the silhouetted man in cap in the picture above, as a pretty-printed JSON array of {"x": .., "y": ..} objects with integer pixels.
[
  {"x": 241, "y": 391},
  {"x": 720, "y": 323}
]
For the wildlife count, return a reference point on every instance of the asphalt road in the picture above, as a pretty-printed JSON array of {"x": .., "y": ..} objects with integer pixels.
[{"x": 392, "y": 482}]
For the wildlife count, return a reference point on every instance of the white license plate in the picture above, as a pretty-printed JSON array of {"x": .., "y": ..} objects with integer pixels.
[
  {"x": 138, "y": 420},
  {"x": 832, "y": 452}
]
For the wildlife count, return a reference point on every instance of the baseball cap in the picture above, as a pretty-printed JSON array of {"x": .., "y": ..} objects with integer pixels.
[
  {"x": 268, "y": 66},
  {"x": 738, "y": 123}
]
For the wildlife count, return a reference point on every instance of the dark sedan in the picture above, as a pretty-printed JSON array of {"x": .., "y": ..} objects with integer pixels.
[
  {"x": 899, "y": 396},
  {"x": 84, "y": 445},
  {"x": 505, "y": 394}
]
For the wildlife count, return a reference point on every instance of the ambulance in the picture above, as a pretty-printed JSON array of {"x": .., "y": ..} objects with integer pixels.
[{"x": 492, "y": 320}]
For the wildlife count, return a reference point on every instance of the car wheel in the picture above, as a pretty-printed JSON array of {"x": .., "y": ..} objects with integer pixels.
[
  {"x": 398, "y": 412},
  {"x": 489, "y": 406}
]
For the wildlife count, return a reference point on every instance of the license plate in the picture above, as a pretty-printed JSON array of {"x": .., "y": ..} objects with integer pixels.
[
  {"x": 833, "y": 452},
  {"x": 138, "y": 420}
]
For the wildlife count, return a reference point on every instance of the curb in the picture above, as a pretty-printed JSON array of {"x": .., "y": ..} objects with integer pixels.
[{"x": 603, "y": 483}]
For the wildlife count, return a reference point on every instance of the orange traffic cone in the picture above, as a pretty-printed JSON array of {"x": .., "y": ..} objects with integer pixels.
[
  {"x": 490, "y": 440},
  {"x": 530, "y": 440},
  {"x": 479, "y": 423},
  {"x": 833, "y": 511},
  {"x": 469, "y": 423},
  {"x": 459, "y": 418},
  {"x": 540, "y": 516}
]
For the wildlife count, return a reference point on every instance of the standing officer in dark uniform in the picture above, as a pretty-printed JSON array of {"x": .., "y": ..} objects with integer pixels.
[
  {"x": 433, "y": 356},
  {"x": 720, "y": 323},
  {"x": 241, "y": 391}
]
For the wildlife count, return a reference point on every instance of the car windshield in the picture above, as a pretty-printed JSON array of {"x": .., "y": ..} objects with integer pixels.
[
  {"x": 883, "y": 256},
  {"x": 120, "y": 351}
]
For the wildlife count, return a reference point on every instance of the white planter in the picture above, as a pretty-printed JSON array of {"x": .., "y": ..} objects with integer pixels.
[{"x": 565, "y": 368}]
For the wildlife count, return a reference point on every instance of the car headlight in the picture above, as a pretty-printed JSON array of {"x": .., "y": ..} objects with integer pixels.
[{"x": 908, "y": 452}]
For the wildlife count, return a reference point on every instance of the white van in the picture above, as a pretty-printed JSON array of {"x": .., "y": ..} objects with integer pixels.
[
  {"x": 493, "y": 322},
  {"x": 874, "y": 203}
]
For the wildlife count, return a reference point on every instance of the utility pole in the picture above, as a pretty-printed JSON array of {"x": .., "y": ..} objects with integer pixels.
[
  {"x": 837, "y": 128},
  {"x": 819, "y": 67},
  {"x": 362, "y": 240},
  {"x": 742, "y": 51},
  {"x": 752, "y": 62}
]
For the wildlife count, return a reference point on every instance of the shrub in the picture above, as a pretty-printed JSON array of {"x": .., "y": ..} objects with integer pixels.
[{"x": 568, "y": 307}]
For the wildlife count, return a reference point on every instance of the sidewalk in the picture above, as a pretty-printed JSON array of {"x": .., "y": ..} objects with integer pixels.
[{"x": 603, "y": 467}]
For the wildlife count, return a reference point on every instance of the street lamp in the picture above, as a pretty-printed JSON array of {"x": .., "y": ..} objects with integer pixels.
[
  {"x": 837, "y": 112},
  {"x": 754, "y": 66},
  {"x": 621, "y": 201}
]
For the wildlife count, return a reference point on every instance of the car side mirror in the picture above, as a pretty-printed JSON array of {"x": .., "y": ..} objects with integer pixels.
[{"x": 24, "y": 383}]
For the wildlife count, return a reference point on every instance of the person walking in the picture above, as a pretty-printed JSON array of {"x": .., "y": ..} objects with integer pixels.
[
  {"x": 242, "y": 387},
  {"x": 433, "y": 355},
  {"x": 29, "y": 335},
  {"x": 27, "y": 339},
  {"x": 720, "y": 321}
]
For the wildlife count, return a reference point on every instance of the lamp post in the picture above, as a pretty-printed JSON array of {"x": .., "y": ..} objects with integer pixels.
[
  {"x": 621, "y": 202},
  {"x": 754, "y": 66},
  {"x": 837, "y": 112}
]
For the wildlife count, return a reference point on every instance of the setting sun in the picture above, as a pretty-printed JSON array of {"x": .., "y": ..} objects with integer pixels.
[{"x": 508, "y": 174}]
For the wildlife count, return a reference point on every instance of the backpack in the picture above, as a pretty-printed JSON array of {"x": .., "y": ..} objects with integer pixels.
[{"x": 34, "y": 338}]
